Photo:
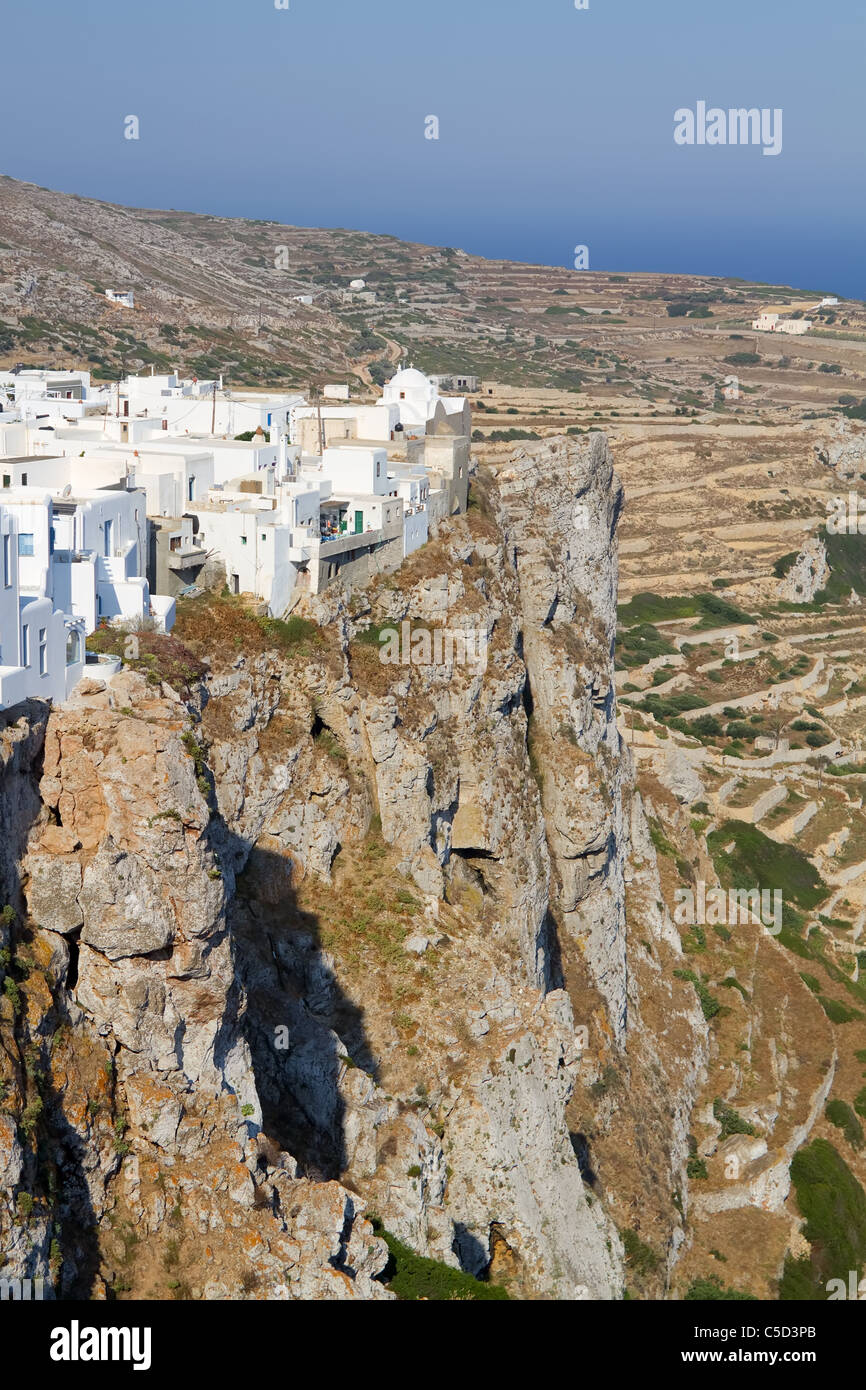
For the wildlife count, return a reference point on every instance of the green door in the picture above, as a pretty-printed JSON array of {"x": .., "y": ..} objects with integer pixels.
[{"x": 359, "y": 522}]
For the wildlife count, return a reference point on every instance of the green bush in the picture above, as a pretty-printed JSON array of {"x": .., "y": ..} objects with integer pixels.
[
  {"x": 712, "y": 1290},
  {"x": 413, "y": 1277},
  {"x": 834, "y": 1207},
  {"x": 710, "y": 1006},
  {"x": 730, "y": 1120},
  {"x": 712, "y": 610},
  {"x": 743, "y": 359},
  {"x": 757, "y": 861},
  {"x": 837, "y": 1012},
  {"x": 641, "y": 1259},
  {"x": 840, "y": 1114}
]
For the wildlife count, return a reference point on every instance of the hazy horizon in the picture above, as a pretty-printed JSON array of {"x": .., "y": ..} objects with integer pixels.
[{"x": 556, "y": 125}]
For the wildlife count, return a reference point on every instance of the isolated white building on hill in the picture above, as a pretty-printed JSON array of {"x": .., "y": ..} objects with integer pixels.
[{"x": 775, "y": 323}]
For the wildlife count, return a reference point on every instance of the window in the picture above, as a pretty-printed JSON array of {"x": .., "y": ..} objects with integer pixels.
[
  {"x": 25, "y": 645},
  {"x": 264, "y": 535},
  {"x": 43, "y": 653},
  {"x": 73, "y": 647},
  {"x": 23, "y": 479},
  {"x": 7, "y": 562},
  {"x": 7, "y": 481},
  {"x": 25, "y": 543},
  {"x": 190, "y": 489},
  {"x": 378, "y": 469},
  {"x": 243, "y": 540}
]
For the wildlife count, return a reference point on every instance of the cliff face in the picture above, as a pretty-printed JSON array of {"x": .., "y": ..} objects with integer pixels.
[{"x": 317, "y": 937}]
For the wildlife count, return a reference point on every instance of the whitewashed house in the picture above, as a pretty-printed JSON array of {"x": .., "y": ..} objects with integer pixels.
[
  {"x": 413, "y": 486},
  {"x": 185, "y": 407},
  {"x": 41, "y": 650}
]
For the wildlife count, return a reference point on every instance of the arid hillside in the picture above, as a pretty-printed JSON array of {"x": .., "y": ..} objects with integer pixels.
[{"x": 215, "y": 294}]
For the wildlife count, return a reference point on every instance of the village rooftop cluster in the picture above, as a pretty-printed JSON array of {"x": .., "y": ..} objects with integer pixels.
[{"x": 118, "y": 499}]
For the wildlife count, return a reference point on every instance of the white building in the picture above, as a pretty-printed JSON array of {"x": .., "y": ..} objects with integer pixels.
[
  {"x": 272, "y": 510},
  {"x": 413, "y": 487},
  {"x": 421, "y": 409},
  {"x": 79, "y": 542},
  {"x": 41, "y": 650},
  {"x": 86, "y": 552},
  {"x": 775, "y": 323},
  {"x": 411, "y": 407},
  {"x": 126, "y": 298},
  {"x": 203, "y": 407},
  {"x": 42, "y": 384},
  {"x": 361, "y": 470},
  {"x": 796, "y": 327},
  {"x": 330, "y": 424}
]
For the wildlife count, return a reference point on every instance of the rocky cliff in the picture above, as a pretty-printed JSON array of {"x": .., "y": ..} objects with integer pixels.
[{"x": 298, "y": 941}]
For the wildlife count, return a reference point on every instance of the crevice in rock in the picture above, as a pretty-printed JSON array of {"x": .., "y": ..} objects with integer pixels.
[
  {"x": 470, "y": 1251},
  {"x": 74, "y": 953},
  {"x": 550, "y": 945},
  {"x": 580, "y": 1144}
]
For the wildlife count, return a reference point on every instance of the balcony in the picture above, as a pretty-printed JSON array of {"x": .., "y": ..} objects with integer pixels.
[{"x": 186, "y": 557}]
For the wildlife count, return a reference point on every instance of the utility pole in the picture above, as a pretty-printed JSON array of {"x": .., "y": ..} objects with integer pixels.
[{"x": 315, "y": 391}]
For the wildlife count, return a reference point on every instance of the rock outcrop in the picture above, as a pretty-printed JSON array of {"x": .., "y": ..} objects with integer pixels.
[
  {"x": 808, "y": 574},
  {"x": 320, "y": 937}
]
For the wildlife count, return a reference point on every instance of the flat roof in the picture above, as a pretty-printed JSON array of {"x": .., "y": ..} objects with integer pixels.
[{"x": 32, "y": 458}]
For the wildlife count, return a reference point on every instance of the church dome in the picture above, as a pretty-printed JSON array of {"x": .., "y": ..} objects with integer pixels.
[{"x": 410, "y": 379}]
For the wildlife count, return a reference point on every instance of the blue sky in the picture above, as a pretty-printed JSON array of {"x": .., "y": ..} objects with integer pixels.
[{"x": 556, "y": 125}]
